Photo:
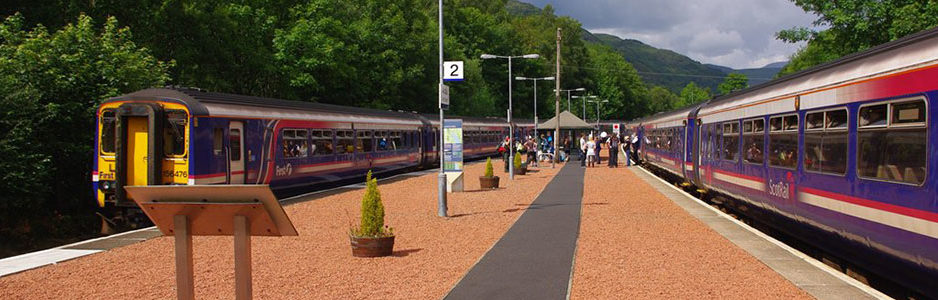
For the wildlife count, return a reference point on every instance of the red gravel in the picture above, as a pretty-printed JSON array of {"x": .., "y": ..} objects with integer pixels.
[
  {"x": 636, "y": 244},
  {"x": 431, "y": 253}
]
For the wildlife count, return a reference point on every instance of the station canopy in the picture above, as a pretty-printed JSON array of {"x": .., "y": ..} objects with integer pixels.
[{"x": 567, "y": 121}]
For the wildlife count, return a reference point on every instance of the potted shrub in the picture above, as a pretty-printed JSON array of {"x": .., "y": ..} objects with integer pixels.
[
  {"x": 488, "y": 180},
  {"x": 519, "y": 167},
  {"x": 372, "y": 238}
]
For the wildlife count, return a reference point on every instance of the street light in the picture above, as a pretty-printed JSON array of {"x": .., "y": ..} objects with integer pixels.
[
  {"x": 535, "y": 99},
  {"x": 568, "y": 95},
  {"x": 597, "y": 107},
  {"x": 511, "y": 128},
  {"x": 584, "y": 102}
]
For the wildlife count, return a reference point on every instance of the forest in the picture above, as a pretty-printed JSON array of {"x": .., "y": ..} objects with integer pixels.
[{"x": 60, "y": 58}]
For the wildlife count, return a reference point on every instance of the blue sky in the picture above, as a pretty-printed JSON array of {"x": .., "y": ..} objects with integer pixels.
[{"x": 733, "y": 33}]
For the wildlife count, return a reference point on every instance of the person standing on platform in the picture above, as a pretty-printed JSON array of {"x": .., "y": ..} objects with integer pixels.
[
  {"x": 531, "y": 146},
  {"x": 566, "y": 149},
  {"x": 614, "y": 151},
  {"x": 503, "y": 149},
  {"x": 626, "y": 147},
  {"x": 582, "y": 150},
  {"x": 591, "y": 152}
]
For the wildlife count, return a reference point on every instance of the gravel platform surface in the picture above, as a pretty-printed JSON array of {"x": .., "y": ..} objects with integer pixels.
[
  {"x": 636, "y": 244},
  {"x": 431, "y": 253}
]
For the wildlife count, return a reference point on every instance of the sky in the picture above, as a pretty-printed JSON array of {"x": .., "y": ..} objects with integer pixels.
[{"x": 734, "y": 33}]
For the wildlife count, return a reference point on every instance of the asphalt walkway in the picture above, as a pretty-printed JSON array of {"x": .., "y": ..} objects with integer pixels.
[{"x": 534, "y": 259}]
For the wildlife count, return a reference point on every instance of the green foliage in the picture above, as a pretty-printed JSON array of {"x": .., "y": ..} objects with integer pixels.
[
  {"x": 517, "y": 161},
  {"x": 372, "y": 214},
  {"x": 691, "y": 94},
  {"x": 617, "y": 81},
  {"x": 662, "y": 99},
  {"x": 733, "y": 82},
  {"x": 855, "y": 25},
  {"x": 488, "y": 168},
  {"x": 50, "y": 84}
]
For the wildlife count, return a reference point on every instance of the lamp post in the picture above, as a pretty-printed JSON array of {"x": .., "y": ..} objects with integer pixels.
[
  {"x": 511, "y": 128},
  {"x": 584, "y": 102},
  {"x": 535, "y": 98},
  {"x": 441, "y": 178},
  {"x": 568, "y": 95},
  {"x": 597, "y": 108}
]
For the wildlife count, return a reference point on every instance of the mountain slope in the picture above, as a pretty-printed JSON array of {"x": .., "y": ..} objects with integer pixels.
[
  {"x": 755, "y": 75},
  {"x": 663, "y": 67}
]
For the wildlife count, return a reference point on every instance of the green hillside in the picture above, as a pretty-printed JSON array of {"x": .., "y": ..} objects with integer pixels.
[{"x": 755, "y": 75}]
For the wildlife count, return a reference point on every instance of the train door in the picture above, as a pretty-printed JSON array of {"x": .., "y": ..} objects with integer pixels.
[
  {"x": 236, "y": 152},
  {"x": 138, "y": 149}
]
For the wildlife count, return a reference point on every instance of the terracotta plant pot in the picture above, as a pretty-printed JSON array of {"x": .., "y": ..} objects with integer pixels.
[
  {"x": 372, "y": 247},
  {"x": 488, "y": 182}
]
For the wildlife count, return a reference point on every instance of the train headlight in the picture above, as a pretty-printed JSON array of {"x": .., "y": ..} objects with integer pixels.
[{"x": 106, "y": 186}]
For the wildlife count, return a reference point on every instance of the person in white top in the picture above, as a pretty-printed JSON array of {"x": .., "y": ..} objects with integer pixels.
[
  {"x": 582, "y": 150},
  {"x": 591, "y": 153}
]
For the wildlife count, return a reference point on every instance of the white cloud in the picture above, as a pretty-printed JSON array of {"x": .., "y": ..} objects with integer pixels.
[{"x": 733, "y": 33}]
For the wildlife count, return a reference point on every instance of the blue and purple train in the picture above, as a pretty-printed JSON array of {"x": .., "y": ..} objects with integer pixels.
[
  {"x": 838, "y": 156},
  {"x": 166, "y": 136}
]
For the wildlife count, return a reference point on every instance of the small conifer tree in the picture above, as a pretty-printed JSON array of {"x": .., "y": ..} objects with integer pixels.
[
  {"x": 488, "y": 168},
  {"x": 372, "y": 221},
  {"x": 517, "y": 160}
]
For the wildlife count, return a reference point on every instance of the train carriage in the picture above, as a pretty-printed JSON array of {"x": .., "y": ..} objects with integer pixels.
[
  {"x": 168, "y": 136},
  {"x": 838, "y": 155}
]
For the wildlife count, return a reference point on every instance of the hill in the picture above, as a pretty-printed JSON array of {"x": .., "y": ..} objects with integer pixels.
[{"x": 755, "y": 75}]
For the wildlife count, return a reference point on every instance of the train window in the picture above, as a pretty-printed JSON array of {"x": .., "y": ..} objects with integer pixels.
[
  {"x": 753, "y": 141},
  {"x": 234, "y": 141},
  {"x": 218, "y": 142},
  {"x": 174, "y": 133},
  {"x": 345, "y": 141},
  {"x": 825, "y": 146},
  {"x": 397, "y": 141},
  {"x": 836, "y": 119},
  {"x": 897, "y": 153},
  {"x": 382, "y": 139},
  {"x": 908, "y": 113},
  {"x": 295, "y": 144},
  {"x": 730, "y": 141},
  {"x": 873, "y": 115},
  {"x": 108, "y": 131},
  {"x": 814, "y": 121},
  {"x": 783, "y": 141},
  {"x": 365, "y": 142},
  {"x": 322, "y": 142}
]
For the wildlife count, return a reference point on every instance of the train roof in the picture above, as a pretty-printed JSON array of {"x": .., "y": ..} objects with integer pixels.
[
  {"x": 669, "y": 118},
  {"x": 916, "y": 50}
]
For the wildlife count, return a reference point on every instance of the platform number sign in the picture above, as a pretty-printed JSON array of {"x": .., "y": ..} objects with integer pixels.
[{"x": 453, "y": 71}]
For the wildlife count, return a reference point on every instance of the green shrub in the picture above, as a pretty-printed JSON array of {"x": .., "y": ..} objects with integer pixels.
[
  {"x": 372, "y": 221},
  {"x": 517, "y": 160},
  {"x": 488, "y": 168}
]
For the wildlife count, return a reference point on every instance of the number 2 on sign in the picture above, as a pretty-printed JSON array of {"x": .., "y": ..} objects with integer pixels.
[{"x": 454, "y": 71}]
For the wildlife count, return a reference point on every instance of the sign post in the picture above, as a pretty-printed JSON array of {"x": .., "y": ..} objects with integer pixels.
[
  {"x": 453, "y": 154},
  {"x": 241, "y": 211}
]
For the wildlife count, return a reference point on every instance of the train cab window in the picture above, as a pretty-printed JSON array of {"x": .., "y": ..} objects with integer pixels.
[
  {"x": 295, "y": 143},
  {"x": 174, "y": 133},
  {"x": 345, "y": 141},
  {"x": 895, "y": 152},
  {"x": 218, "y": 142},
  {"x": 783, "y": 141},
  {"x": 730, "y": 141},
  {"x": 365, "y": 142},
  {"x": 108, "y": 131},
  {"x": 397, "y": 141},
  {"x": 825, "y": 142},
  {"x": 753, "y": 141},
  {"x": 322, "y": 142}
]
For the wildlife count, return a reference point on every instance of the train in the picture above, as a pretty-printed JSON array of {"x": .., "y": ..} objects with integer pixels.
[
  {"x": 838, "y": 156},
  {"x": 188, "y": 136}
]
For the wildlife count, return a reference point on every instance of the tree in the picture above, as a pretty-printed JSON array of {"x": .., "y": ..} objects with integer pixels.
[
  {"x": 854, "y": 25},
  {"x": 733, "y": 82},
  {"x": 50, "y": 85},
  {"x": 692, "y": 94},
  {"x": 661, "y": 99},
  {"x": 614, "y": 79}
]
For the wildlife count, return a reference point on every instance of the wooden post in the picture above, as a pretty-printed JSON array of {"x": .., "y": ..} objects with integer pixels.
[
  {"x": 242, "y": 249},
  {"x": 185, "y": 287}
]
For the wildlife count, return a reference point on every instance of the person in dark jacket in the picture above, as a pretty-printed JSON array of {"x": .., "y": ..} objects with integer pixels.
[{"x": 614, "y": 151}]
